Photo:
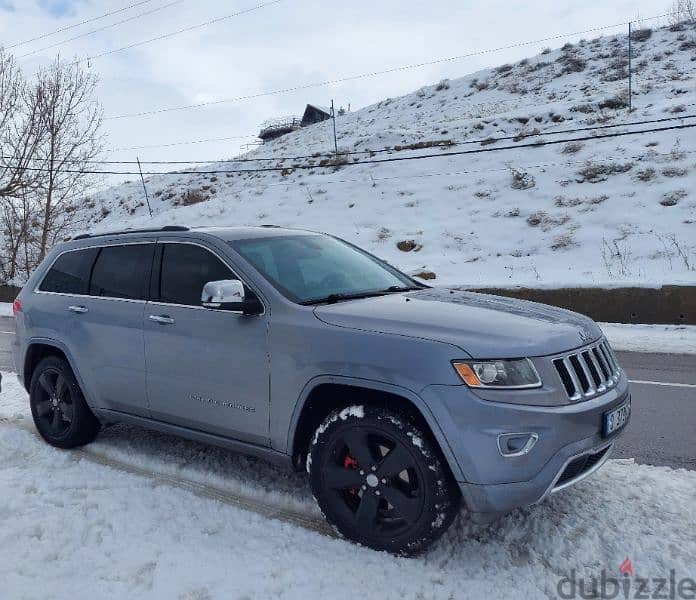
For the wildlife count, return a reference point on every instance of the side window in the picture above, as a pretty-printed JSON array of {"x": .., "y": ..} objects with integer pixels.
[
  {"x": 122, "y": 272},
  {"x": 70, "y": 273},
  {"x": 185, "y": 270}
]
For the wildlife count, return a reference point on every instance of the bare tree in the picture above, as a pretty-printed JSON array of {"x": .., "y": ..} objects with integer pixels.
[
  {"x": 20, "y": 135},
  {"x": 20, "y": 131},
  {"x": 71, "y": 118},
  {"x": 683, "y": 11},
  {"x": 17, "y": 222},
  {"x": 49, "y": 131}
]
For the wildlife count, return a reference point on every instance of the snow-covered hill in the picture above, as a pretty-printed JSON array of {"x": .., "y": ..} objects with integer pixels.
[{"x": 601, "y": 211}]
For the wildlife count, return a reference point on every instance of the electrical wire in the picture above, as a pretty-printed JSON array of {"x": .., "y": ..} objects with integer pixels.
[
  {"x": 104, "y": 28},
  {"x": 377, "y": 161},
  {"x": 361, "y": 75},
  {"x": 489, "y": 140},
  {"x": 85, "y": 22},
  {"x": 179, "y": 31}
]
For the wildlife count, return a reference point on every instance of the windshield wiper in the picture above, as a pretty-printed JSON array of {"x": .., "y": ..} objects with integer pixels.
[
  {"x": 333, "y": 298},
  {"x": 406, "y": 288}
]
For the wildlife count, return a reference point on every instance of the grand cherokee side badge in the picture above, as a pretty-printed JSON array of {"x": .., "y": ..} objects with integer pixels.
[{"x": 235, "y": 405}]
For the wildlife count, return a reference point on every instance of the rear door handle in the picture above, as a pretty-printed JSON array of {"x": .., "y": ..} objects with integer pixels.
[
  {"x": 78, "y": 309},
  {"x": 161, "y": 319}
]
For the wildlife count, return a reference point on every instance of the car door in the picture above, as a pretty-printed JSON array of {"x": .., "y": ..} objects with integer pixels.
[
  {"x": 105, "y": 329},
  {"x": 207, "y": 369}
]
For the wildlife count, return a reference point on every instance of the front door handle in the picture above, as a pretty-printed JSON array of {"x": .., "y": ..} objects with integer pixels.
[
  {"x": 78, "y": 309},
  {"x": 162, "y": 319}
]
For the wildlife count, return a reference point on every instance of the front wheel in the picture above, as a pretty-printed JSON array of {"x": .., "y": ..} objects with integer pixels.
[{"x": 380, "y": 481}]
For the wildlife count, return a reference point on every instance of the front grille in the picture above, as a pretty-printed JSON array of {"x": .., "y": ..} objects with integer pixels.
[
  {"x": 588, "y": 372},
  {"x": 580, "y": 465}
]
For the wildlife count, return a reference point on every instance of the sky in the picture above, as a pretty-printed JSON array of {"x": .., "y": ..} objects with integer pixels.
[{"x": 286, "y": 44}]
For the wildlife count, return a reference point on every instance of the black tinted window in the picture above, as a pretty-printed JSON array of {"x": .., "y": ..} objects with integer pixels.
[
  {"x": 70, "y": 273},
  {"x": 122, "y": 272},
  {"x": 185, "y": 270}
]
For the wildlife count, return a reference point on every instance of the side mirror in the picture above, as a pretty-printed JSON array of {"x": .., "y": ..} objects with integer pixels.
[
  {"x": 224, "y": 295},
  {"x": 229, "y": 294}
]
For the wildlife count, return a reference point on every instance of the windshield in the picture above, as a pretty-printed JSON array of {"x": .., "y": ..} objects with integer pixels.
[{"x": 318, "y": 268}]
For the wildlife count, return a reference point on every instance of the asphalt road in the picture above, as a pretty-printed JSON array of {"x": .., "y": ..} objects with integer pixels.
[{"x": 663, "y": 421}]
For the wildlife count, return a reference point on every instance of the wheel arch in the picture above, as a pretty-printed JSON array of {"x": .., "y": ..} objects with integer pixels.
[
  {"x": 40, "y": 348},
  {"x": 322, "y": 395}
]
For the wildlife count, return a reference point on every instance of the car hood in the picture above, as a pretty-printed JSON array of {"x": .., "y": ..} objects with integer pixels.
[{"x": 482, "y": 325}]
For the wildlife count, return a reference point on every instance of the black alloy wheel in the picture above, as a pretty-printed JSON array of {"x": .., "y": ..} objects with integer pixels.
[
  {"x": 381, "y": 481},
  {"x": 58, "y": 406},
  {"x": 55, "y": 409}
]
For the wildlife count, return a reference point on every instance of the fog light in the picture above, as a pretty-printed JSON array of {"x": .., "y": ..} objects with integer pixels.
[{"x": 516, "y": 444}]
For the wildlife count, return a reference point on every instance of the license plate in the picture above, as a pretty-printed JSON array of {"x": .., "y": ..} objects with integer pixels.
[{"x": 615, "y": 419}]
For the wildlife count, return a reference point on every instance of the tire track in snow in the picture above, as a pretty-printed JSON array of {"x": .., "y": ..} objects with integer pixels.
[{"x": 209, "y": 492}]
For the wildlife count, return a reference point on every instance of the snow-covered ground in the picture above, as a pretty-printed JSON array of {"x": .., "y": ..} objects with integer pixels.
[
  {"x": 599, "y": 212},
  {"x": 676, "y": 339},
  {"x": 73, "y": 528}
]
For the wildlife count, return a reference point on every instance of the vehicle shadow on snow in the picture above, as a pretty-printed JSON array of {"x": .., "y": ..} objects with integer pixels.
[
  {"x": 623, "y": 510},
  {"x": 245, "y": 475}
]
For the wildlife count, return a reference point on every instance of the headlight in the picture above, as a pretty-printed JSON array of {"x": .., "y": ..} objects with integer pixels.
[{"x": 498, "y": 374}]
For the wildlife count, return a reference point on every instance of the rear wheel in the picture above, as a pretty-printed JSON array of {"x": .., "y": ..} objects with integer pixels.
[
  {"x": 58, "y": 407},
  {"x": 380, "y": 481}
]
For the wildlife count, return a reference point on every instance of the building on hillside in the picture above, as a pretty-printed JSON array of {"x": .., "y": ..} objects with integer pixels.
[
  {"x": 274, "y": 128},
  {"x": 315, "y": 114}
]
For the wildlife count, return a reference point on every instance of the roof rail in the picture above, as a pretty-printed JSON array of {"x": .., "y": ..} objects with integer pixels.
[{"x": 85, "y": 236}]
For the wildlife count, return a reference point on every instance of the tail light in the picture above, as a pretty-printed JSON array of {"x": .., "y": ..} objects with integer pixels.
[{"x": 16, "y": 307}]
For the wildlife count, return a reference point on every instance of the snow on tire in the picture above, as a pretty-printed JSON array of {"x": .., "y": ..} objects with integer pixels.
[{"x": 380, "y": 481}]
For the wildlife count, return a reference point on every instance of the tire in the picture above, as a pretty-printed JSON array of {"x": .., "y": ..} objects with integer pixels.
[
  {"x": 58, "y": 406},
  {"x": 380, "y": 481}
]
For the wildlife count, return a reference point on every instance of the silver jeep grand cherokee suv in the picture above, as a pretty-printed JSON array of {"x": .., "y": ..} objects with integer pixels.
[{"x": 400, "y": 400}]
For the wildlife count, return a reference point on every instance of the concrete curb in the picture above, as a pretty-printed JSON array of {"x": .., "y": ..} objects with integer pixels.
[{"x": 670, "y": 304}]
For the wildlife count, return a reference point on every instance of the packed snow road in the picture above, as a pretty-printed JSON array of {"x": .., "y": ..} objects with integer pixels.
[{"x": 143, "y": 515}]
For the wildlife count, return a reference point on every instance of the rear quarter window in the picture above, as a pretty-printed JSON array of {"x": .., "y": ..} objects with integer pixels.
[{"x": 70, "y": 273}]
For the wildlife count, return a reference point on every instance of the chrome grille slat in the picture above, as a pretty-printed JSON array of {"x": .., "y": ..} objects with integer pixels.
[
  {"x": 587, "y": 372},
  {"x": 591, "y": 389},
  {"x": 605, "y": 366},
  {"x": 602, "y": 385},
  {"x": 610, "y": 357},
  {"x": 574, "y": 378}
]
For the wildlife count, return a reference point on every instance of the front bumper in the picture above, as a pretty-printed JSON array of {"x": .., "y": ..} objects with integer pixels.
[{"x": 570, "y": 445}]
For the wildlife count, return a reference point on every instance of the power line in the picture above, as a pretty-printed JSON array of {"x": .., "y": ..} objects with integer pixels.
[
  {"x": 104, "y": 28},
  {"x": 254, "y": 136},
  {"x": 489, "y": 140},
  {"x": 381, "y": 160},
  {"x": 472, "y": 171},
  {"x": 68, "y": 27},
  {"x": 187, "y": 142},
  {"x": 368, "y": 74},
  {"x": 179, "y": 31}
]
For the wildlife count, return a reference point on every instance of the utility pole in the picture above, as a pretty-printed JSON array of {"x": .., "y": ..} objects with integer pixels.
[
  {"x": 333, "y": 116},
  {"x": 630, "y": 71},
  {"x": 147, "y": 198}
]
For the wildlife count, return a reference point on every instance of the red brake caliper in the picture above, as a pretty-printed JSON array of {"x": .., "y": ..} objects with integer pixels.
[{"x": 350, "y": 463}]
